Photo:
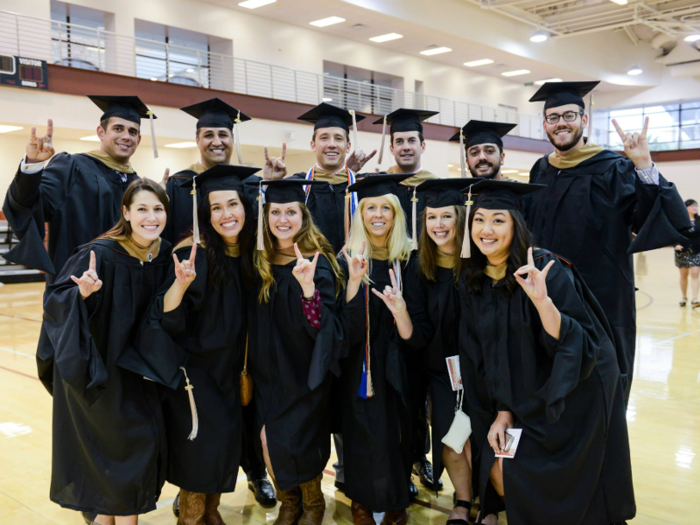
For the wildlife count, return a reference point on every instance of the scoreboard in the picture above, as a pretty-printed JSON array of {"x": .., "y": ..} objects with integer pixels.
[{"x": 23, "y": 72}]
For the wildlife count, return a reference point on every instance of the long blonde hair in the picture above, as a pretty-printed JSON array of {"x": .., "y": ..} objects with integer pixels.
[
  {"x": 399, "y": 243},
  {"x": 309, "y": 238}
]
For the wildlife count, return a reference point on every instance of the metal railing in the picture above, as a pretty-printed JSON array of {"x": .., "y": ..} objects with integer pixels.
[{"x": 83, "y": 47}]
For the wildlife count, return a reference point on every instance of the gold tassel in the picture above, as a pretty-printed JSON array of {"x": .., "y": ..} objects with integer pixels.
[
  {"x": 195, "y": 218},
  {"x": 261, "y": 210},
  {"x": 356, "y": 145},
  {"x": 346, "y": 216},
  {"x": 462, "y": 155},
  {"x": 193, "y": 407},
  {"x": 466, "y": 244},
  {"x": 238, "y": 138},
  {"x": 414, "y": 219},
  {"x": 153, "y": 134},
  {"x": 370, "y": 386},
  {"x": 381, "y": 148}
]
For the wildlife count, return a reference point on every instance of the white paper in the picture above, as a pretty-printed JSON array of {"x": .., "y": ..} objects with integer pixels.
[
  {"x": 454, "y": 371},
  {"x": 516, "y": 433}
]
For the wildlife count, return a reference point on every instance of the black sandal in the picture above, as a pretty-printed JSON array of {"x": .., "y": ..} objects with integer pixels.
[
  {"x": 695, "y": 304},
  {"x": 464, "y": 504},
  {"x": 683, "y": 302}
]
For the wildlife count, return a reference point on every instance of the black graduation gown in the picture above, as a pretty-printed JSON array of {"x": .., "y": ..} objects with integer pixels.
[
  {"x": 572, "y": 465},
  {"x": 434, "y": 310},
  {"x": 587, "y": 214},
  {"x": 378, "y": 433},
  {"x": 208, "y": 333},
  {"x": 80, "y": 198},
  {"x": 109, "y": 445},
  {"x": 326, "y": 203},
  {"x": 290, "y": 363}
]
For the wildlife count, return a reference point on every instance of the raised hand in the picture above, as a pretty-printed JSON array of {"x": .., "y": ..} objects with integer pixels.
[
  {"x": 89, "y": 282},
  {"x": 275, "y": 168},
  {"x": 636, "y": 145},
  {"x": 534, "y": 282},
  {"x": 304, "y": 272},
  {"x": 357, "y": 265},
  {"x": 358, "y": 159},
  {"x": 184, "y": 270},
  {"x": 40, "y": 149},
  {"x": 392, "y": 297},
  {"x": 164, "y": 180}
]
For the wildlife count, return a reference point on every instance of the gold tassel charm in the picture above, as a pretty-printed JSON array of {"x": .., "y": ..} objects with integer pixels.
[
  {"x": 466, "y": 244},
  {"x": 414, "y": 219},
  {"x": 195, "y": 218},
  {"x": 236, "y": 127},
  {"x": 153, "y": 134},
  {"x": 261, "y": 210},
  {"x": 193, "y": 406}
]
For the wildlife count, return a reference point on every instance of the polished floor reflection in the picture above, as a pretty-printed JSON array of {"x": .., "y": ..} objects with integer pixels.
[{"x": 664, "y": 419}]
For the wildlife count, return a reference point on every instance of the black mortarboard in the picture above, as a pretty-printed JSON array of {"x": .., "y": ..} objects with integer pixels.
[
  {"x": 406, "y": 119},
  {"x": 555, "y": 94},
  {"x": 503, "y": 195},
  {"x": 215, "y": 113},
  {"x": 439, "y": 193},
  {"x": 287, "y": 190},
  {"x": 378, "y": 184},
  {"x": 329, "y": 116},
  {"x": 483, "y": 132},
  {"x": 129, "y": 108}
]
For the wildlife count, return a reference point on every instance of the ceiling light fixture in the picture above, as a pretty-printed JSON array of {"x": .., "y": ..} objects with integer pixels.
[
  {"x": 386, "y": 38},
  {"x": 325, "y": 22},
  {"x": 540, "y": 82},
  {"x": 91, "y": 138},
  {"x": 182, "y": 145},
  {"x": 435, "y": 51},
  {"x": 326, "y": 99},
  {"x": 692, "y": 38},
  {"x": 254, "y": 4},
  {"x": 7, "y": 129},
  {"x": 619, "y": 2},
  {"x": 477, "y": 63},
  {"x": 634, "y": 71},
  {"x": 539, "y": 36},
  {"x": 516, "y": 73}
]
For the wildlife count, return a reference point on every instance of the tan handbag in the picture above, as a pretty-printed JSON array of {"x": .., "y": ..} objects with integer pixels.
[{"x": 246, "y": 381}]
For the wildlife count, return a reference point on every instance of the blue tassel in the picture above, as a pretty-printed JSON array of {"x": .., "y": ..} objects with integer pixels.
[{"x": 363, "y": 382}]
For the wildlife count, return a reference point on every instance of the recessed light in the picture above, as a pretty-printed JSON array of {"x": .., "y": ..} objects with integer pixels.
[
  {"x": 190, "y": 70},
  {"x": 325, "y": 22},
  {"x": 154, "y": 79},
  {"x": 326, "y": 99},
  {"x": 539, "y": 36},
  {"x": 182, "y": 145},
  {"x": 634, "y": 71},
  {"x": 540, "y": 82},
  {"x": 171, "y": 75},
  {"x": 435, "y": 51},
  {"x": 516, "y": 73},
  {"x": 7, "y": 129},
  {"x": 91, "y": 138},
  {"x": 386, "y": 38},
  {"x": 619, "y": 2},
  {"x": 254, "y": 4},
  {"x": 509, "y": 171},
  {"x": 476, "y": 63},
  {"x": 692, "y": 38}
]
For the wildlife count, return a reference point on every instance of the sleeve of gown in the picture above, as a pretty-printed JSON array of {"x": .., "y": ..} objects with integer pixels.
[
  {"x": 67, "y": 320},
  {"x": 416, "y": 303},
  {"x": 30, "y": 203},
  {"x": 352, "y": 315},
  {"x": 581, "y": 337}
]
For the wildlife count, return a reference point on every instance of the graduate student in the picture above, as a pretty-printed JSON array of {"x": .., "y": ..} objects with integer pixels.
[
  {"x": 200, "y": 315},
  {"x": 295, "y": 342},
  {"x": 594, "y": 200},
  {"x": 78, "y": 195},
  {"x": 433, "y": 305},
  {"x": 537, "y": 355},
  {"x": 377, "y": 426},
  {"x": 108, "y": 432},
  {"x": 482, "y": 151}
]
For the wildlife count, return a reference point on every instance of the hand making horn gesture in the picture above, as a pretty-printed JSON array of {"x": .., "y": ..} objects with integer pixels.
[
  {"x": 184, "y": 270},
  {"x": 164, "y": 180},
  {"x": 636, "y": 145},
  {"x": 534, "y": 283},
  {"x": 357, "y": 160},
  {"x": 392, "y": 297},
  {"x": 357, "y": 265},
  {"x": 304, "y": 272},
  {"x": 275, "y": 168},
  {"x": 89, "y": 282},
  {"x": 40, "y": 149}
]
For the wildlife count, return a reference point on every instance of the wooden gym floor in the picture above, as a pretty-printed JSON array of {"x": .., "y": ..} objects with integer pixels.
[{"x": 664, "y": 419}]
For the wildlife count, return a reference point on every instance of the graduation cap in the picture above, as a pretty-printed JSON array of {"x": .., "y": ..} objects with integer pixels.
[
  {"x": 555, "y": 94},
  {"x": 217, "y": 178},
  {"x": 480, "y": 132},
  {"x": 403, "y": 120},
  {"x": 129, "y": 108},
  {"x": 328, "y": 116}
]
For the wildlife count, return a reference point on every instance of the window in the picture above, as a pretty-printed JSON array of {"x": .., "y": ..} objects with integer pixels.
[
  {"x": 361, "y": 89},
  {"x": 77, "y": 36}
]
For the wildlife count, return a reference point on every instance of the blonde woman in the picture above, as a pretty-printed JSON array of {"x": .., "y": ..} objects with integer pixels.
[
  {"x": 376, "y": 425},
  {"x": 295, "y": 340}
]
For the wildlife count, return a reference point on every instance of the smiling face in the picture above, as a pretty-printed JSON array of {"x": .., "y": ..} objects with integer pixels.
[
  {"x": 227, "y": 214},
  {"x": 285, "y": 221},
  {"x": 441, "y": 226},
  {"x": 120, "y": 139},
  {"x": 407, "y": 149},
  {"x": 378, "y": 218},
  {"x": 146, "y": 216},
  {"x": 485, "y": 160},
  {"x": 492, "y": 232},
  {"x": 215, "y": 146},
  {"x": 565, "y": 135},
  {"x": 330, "y": 146}
]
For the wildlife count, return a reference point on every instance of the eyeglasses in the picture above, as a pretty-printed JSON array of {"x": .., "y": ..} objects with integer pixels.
[{"x": 568, "y": 116}]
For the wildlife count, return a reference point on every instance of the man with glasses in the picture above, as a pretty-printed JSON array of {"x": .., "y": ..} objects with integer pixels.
[{"x": 595, "y": 201}]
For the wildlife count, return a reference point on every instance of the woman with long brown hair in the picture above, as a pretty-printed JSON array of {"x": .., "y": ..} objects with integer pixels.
[
  {"x": 295, "y": 341},
  {"x": 108, "y": 432}
]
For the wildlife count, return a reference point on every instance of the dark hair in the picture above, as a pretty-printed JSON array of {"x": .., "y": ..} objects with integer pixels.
[
  {"x": 123, "y": 227},
  {"x": 691, "y": 202},
  {"x": 420, "y": 137},
  {"x": 427, "y": 256},
  {"x": 219, "y": 270},
  {"x": 105, "y": 124},
  {"x": 313, "y": 136},
  {"x": 474, "y": 266}
]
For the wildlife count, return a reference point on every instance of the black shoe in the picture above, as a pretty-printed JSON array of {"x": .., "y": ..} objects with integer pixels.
[
  {"x": 340, "y": 485},
  {"x": 264, "y": 492},
  {"x": 424, "y": 470},
  {"x": 412, "y": 491},
  {"x": 89, "y": 517},
  {"x": 176, "y": 505}
]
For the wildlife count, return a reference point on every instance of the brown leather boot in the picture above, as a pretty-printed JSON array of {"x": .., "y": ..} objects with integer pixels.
[
  {"x": 361, "y": 515},
  {"x": 192, "y": 505},
  {"x": 395, "y": 517},
  {"x": 313, "y": 501},
  {"x": 211, "y": 510},
  {"x": 290, "y": 508}
]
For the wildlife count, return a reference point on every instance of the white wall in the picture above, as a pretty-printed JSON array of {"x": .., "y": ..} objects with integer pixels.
[
  {"x": 671, "y": 89},
  {"x": 685, "y": 175}
]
